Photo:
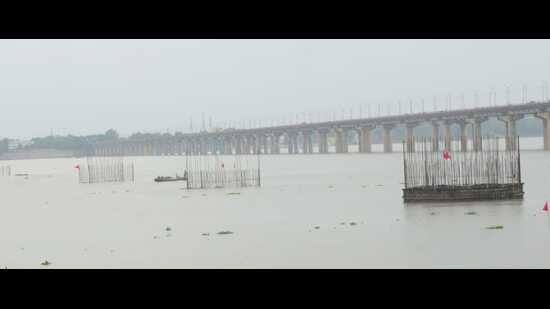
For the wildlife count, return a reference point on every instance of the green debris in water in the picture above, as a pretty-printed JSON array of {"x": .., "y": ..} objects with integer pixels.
[
  {"x": 205, "y": 234},
  {"x": 317, "y": 227},
  {"x": 470, "y": 213},
  {"x": 352, "y": 223},
  {"x": 495, "y": 227},
  {"x": 224, "y": 233},
  {"x": 233, "y": 193},
  {"x": 45, "y": 263},
  {"x": 168, "y": 229}
]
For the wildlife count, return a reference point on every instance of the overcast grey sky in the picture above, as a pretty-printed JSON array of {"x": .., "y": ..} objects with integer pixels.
[{"x": 89, "y": 86}]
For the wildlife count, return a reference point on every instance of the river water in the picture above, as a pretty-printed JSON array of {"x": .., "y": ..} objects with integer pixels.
[{"x": 50, "y": 216}]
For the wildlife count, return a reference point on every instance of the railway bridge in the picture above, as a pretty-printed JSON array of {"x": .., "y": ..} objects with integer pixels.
[{"x": 300, "y": 138}]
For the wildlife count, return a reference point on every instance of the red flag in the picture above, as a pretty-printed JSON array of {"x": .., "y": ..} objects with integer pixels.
[
  {"x": 446, "y": 155},
  {"x": 545, "y": 206}
]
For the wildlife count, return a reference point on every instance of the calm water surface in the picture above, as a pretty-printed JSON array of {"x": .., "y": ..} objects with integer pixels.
[{"x": 51, "y": 216}]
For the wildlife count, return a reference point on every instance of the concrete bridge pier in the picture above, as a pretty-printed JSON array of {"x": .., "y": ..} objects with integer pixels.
[
  {"x": 463, "y": 136},
  {"x": 388, "y": 145},
  {"x": 447, "y": 135},
  {"x": 202, "y": 147},
  {"x": 435, "y": 136},
  {"x": 545, "y": 117},
  {"x": 238, "y": 145},
  {"x": 307, "y": 142},
  {"x": 323, "y": 140},
  {"x": 275, "y": 143},
  {"x": 365, "y": 139},
  {"x": 249, "y": 145},
  {"x": 410, "y": 136},
  {"x": 341, "y": 140},
  {"x": 477, "y": 140},
  {"x": 246, "y": 145},
  {"x": 265, "y": 145},
  {"x": 510, "y": 123},
  {"x": 257, "y": 143},
  {"x": 227, "y": 146},
  {"x": 292, "y": 143}
]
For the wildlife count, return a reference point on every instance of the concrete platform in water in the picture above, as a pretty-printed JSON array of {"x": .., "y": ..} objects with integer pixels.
[{"x": 463, "y": 193}]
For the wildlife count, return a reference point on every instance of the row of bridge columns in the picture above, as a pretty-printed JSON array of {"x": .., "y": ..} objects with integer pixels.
[{"x": 270, "y": 143}]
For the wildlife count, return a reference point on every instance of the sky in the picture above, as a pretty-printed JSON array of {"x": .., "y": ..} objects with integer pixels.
[{"x": 89, "y": 86}]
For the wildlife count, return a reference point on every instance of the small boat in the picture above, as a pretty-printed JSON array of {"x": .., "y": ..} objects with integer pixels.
[{"x": 168, "y": 178}]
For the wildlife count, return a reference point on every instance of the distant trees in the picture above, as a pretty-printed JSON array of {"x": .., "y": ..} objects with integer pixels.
[{"x": 71, "y": 142}]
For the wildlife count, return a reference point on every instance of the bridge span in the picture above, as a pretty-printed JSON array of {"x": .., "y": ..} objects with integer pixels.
[{"x": 300, "y": 138}]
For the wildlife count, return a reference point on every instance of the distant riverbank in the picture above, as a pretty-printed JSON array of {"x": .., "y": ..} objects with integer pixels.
[{"x": 36, "y": 154}]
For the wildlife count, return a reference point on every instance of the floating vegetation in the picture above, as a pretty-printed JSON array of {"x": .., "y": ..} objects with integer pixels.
[
  {"x": 471, "y": 213},
  {"x": 317, "y": 227},
  {"x": 224, "y": 233},
  {"x": 205, "y": 234},
  {"x": 495, "y": 227},
  {"x": 379, "y": 185},
  {"x": 352, "y": 223},
  {"x": 45, "y": 263},
  {"x": 331, "y": 186},
  {"x": 233, "y": 193},
  {"x": 342, "y": 223},
  {"x": 168, "y": 229}
]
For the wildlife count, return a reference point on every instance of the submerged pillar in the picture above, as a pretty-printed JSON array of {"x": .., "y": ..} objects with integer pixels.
[
  {"x": 545, "y": 117},
  {"x": 388, "y": 145},
  {"x": 365, "y": 139}
]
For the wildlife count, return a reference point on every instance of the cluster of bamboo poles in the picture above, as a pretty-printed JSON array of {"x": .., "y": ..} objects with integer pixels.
[
  {"x": 5, "y": 170},
  {"x": 106, "y": 169},
  {"x": 426, "y": 168},
  {"x": 218, "y": 171}
]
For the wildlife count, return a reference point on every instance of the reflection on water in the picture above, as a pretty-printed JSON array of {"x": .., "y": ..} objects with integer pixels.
[{"x": 354, "y": 201}]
